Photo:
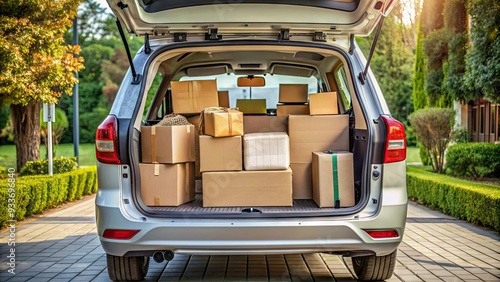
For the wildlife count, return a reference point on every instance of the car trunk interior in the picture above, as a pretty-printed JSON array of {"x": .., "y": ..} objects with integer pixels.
[{"x": 328, "y": 72}]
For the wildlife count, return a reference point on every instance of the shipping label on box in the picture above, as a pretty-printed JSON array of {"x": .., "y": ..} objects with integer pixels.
[
  {"x": 220, "y": 154},
  {"x": 293, "y": 93},
  {"x": 323, "y": 104},
  {"x": 316, "y": 134},
  {"x": 260, "y": 124},
  {"x": 167, "y": 184},
  {"x": 247, "y": 188},
  {"x": 333, "y": 179},
  {"x": 302, "y": 181},
  {"x": 266, "y": 151},
  {"x": 285, "y": 110},
  {"x": 190, "y": 97},
  {"x": 218, "y": 122},
  {"x": 252, "y": 106},
  {"x": 168, "y": 144}
]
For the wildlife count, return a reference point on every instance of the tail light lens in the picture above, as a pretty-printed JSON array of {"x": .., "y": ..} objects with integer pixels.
[
  {"x": 119, "y": 234},
  {"x": 106, "y": 142},
  {"x": 382, "y": 234},
  {"x": 395, "y": 146}
]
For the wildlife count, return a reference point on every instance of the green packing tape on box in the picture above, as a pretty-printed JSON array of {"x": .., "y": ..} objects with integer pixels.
[{"x": 335, "y": 172}]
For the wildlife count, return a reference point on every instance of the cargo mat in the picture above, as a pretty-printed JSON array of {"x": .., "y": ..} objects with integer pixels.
[{"x": 196, "y": 206}]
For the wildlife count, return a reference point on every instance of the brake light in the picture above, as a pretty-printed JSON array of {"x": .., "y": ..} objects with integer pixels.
[
  {"x": 106, "y": 141},
  {"x": 395, "y": 146},
  {"x": 119, "y": 234},
  {"x": 381, "y": 234}
]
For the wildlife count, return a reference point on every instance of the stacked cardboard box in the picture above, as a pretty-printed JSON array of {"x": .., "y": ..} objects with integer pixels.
[
  {"x": 167, "y": 168},
  {"x": 266, "y": 151},
  {"x": 323, "y": 104},
  {"x": 310, "y": 134},
  {"x": 292, "y": 100}
]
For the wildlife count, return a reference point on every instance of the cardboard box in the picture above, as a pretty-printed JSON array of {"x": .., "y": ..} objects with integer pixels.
[
  {"x": 259, "y": 124},
  {"x": 190, "y": 97},
  {"x": 323, "y": 104},
  {"x": 266, "y": 151},
  {"x": 316, "y": 134},
  {"x": 223, "y": 99},
  {"x": 223, "y": 123},
  {"x": 293, "y": 93},
  {"x": 302, "y": 181},
  {"x": 252, "y": 107},
  {"x": 167, "y": 184},
  {"x": 333, "y": 179},
  {"x": 285, "y": 110},
  {"x": 220, "y": 154},
  {"x": 168, "y": 144},
  {"x": 196, "y": 121},
  {"x": 247, "y": 188}
]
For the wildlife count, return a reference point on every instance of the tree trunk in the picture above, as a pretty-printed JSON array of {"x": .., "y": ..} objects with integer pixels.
[{"x": 26, "y": 125}]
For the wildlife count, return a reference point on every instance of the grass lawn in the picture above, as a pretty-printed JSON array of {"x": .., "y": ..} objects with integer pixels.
[
  {"x": 412, "y": 155},
  {"x": 86, "y": 152}
]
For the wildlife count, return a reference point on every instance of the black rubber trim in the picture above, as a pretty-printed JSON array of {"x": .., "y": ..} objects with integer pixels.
[{"x": 157, "y": 6}]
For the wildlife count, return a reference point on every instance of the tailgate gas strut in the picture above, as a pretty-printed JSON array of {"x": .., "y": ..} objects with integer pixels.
[
  {"x": 386, "y": 8},
  {"x": 136, "y": 77}
]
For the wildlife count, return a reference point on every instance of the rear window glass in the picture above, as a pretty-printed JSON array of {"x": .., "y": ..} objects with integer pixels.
[{"x": 270, "y": 91}]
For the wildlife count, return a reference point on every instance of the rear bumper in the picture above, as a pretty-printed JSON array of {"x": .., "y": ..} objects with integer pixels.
[{"x": 251, "y": 236}]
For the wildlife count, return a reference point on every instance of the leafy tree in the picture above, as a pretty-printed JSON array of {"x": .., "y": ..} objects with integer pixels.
[
  {"x": 114, "y": 70},
  {"x": 419, "y": 94},
  {"x": 482, "y": 60},
  {"x": 35, "y": 64},
  {"x": 433, "y": 127},
  {"x": 455, "y": 23}
]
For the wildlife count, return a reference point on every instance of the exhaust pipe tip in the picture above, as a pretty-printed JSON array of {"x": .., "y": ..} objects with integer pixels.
[
  {"x": 169, "y": 255},
  {"x": 158, "y": 257}
]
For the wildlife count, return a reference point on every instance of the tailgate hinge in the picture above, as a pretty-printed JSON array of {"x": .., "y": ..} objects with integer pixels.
[
  {"x": 147, "y": 46},
  {"x": 180, "y": 36},
  {"x": 319, "y": 37},
  {"x": 284, "y": 34},
  {"x": 213, "y": 34}
]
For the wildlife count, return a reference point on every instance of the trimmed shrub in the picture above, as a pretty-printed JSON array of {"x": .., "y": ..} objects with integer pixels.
[
  {"x": 476, "y": 160},
  {"x": 3, "y": 172},
  {"x": 433, "y": 128},
  {"x": 60, "y": 165},
  {"x": 474, "y": 202},
  {"x": 34, "y": 194}
]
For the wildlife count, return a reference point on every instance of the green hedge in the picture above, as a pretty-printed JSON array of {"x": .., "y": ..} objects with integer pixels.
[
  {"x": 476, "y": 160},
  {"x": 34, "y": 194},
  {"x": 474, "y": 202}
]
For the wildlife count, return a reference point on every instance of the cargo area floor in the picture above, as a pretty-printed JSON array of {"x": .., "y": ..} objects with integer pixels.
[{"x": 196, "y": 206}]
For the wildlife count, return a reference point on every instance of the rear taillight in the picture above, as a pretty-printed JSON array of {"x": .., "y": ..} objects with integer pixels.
[
  {"x": 382, "y": 234},
  {"x": 106, "y": 143},
  {"x": 119, "y": 234},
  {"x": 395, "y": 146}
]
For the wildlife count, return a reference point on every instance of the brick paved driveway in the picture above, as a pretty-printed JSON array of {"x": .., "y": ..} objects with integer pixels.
[{"x": 62, "y": 245}]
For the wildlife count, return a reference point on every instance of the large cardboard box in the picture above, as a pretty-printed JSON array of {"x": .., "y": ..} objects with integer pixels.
[
  {"x": 190, "y": 97},
  {"x": 302, "y": 181},
  {"x": 167, "y": 184},
  {"x": 247, "y": 188},
  {"x": 220, "y": 154},
  {"x": 293, "y": 93},
  {"x": 224, "y": 99},
  {"x": 266, "y": 151},
  {"x": 223, "y": 123},
  {"x": 252, "y": 106},
  {"x": 285, "y": 110},
  {"x": 333, "y": 179},
  {"x": 168, "y": 144},
  {"x": 323, "y": 104},
  {"x": 316, "y": 134},
  {"x": 259, "y": 124}
]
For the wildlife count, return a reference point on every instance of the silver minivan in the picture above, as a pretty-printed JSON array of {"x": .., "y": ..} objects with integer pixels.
[{"x": 280, "y": 42}]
